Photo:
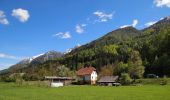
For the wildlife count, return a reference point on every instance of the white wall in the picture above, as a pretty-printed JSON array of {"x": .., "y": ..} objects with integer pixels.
[
  {"x": 94, "y": 76},
  {"x": 57, "y": 84}
]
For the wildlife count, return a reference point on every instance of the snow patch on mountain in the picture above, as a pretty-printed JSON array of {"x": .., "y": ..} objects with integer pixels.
[{"x": 34, "y": 57}]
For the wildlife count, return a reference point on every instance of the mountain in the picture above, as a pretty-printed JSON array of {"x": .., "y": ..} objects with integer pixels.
[
  {"x": 34, "y": 60},
  {"x": 152, "y": 43},
  {"x": 114, "y": 37},
  {"x": 46, "y": 56},
  {"x": 162, "y": 24}
]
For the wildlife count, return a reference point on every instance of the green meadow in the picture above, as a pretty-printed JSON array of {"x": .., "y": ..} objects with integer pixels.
[{"x": 10, "y": 91}]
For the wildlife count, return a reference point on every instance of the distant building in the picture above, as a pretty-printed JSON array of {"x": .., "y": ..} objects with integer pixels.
[
  {"x": 108, "y": 80},
  {"x": 87, "y": 75},
  {"x": 59, "y": 81}
]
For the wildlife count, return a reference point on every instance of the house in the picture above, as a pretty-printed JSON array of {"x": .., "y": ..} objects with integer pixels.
[
  {"x": 108, "y": 80},
  {"x": 59, "y": 81},
  {"x": 87, "y": 75}
]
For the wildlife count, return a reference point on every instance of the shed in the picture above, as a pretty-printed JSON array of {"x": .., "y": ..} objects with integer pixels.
[
  {"x": 59, "y": 81},
  {"x": 108, "y": 80}
]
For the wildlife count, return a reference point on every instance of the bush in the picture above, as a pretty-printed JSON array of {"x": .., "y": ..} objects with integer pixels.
[
  {"x": 153, "y": 81},
  {"x": 31, "y": 77},
  {"x": 164, "y": 81},
  {"x": 125, "y": 79},
  {"x": 7, "y": 79}
]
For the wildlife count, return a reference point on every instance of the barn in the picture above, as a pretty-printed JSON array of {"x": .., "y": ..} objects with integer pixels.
[
  {"x": 108, "y": 80},
  {"x": 59, "y": 81}
]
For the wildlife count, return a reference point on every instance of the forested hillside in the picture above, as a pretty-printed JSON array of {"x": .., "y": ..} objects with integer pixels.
[{"x": 125, "y": 50}]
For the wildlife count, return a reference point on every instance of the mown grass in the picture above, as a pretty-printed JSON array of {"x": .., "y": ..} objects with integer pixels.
[
  {"x": 10, "y": 91},
  {"x": 155, "y": 81}
]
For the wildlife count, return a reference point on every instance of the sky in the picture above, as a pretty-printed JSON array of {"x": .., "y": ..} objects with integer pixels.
[{"x": 32, "y": 27}]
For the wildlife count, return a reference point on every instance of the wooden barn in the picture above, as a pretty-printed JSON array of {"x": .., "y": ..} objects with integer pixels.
[
  {"x": 87, "y": 75},
  {"x": 108, "y": 80}
]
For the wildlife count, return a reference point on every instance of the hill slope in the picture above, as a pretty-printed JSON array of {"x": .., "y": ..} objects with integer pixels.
[
  {"x": 114, "y": 37},
  {"x": 153, "y": 44}
]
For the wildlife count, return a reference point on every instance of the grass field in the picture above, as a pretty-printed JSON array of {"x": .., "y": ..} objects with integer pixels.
[{"x": 10, "y": 91}]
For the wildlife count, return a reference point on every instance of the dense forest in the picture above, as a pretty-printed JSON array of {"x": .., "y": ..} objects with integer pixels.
[{"x": 125, "y": 50}]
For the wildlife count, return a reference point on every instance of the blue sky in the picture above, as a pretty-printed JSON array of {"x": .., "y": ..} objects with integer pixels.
[{"x": 32, "y": 27}]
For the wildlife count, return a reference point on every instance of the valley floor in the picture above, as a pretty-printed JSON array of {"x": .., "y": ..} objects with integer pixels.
[{"x": 10, "y": 91}]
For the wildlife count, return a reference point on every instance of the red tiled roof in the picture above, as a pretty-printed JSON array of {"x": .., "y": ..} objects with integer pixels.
[{"x": 85, "y": 71}]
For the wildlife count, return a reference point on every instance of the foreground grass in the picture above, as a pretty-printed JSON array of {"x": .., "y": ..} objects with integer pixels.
[{"x": 10, "y": 91}]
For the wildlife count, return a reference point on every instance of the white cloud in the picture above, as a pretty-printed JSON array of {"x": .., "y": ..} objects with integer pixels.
[
  {"x": 150, "y": 23},
  {"x": 102, "y": 16},
  {"x": 134, "y": 23},
  {"x": 161, "y": 18},
  {"x": 3, "y": 19},
  {"x": 80, "y": 28},
  {"x": 21, "y": 14},
  {"x": 68, "y": 51},
  {"x": 58, "y": 34},
  {"x": 6, "y": 56},
  {"x": 5, "y": 65},
  {"x": 83, "y": 25},
  {"x": 124, "y": 26},
  {"x": 153, "y": 22},
  {"x": 66, "y": 35},
  {"x": 161, "y": 3},
  {"x": 78, "y": 45},
  {"x": 63, "y": 35}
]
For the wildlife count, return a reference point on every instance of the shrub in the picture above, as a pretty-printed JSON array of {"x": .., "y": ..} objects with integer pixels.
[
  {"x": 125, "y": 79},
  {"x": 19, "y": 81},
  {"x": 31, "y": 77},
  {"x": 164, "y": 81},
  {"x": 7, "y": 79}
]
